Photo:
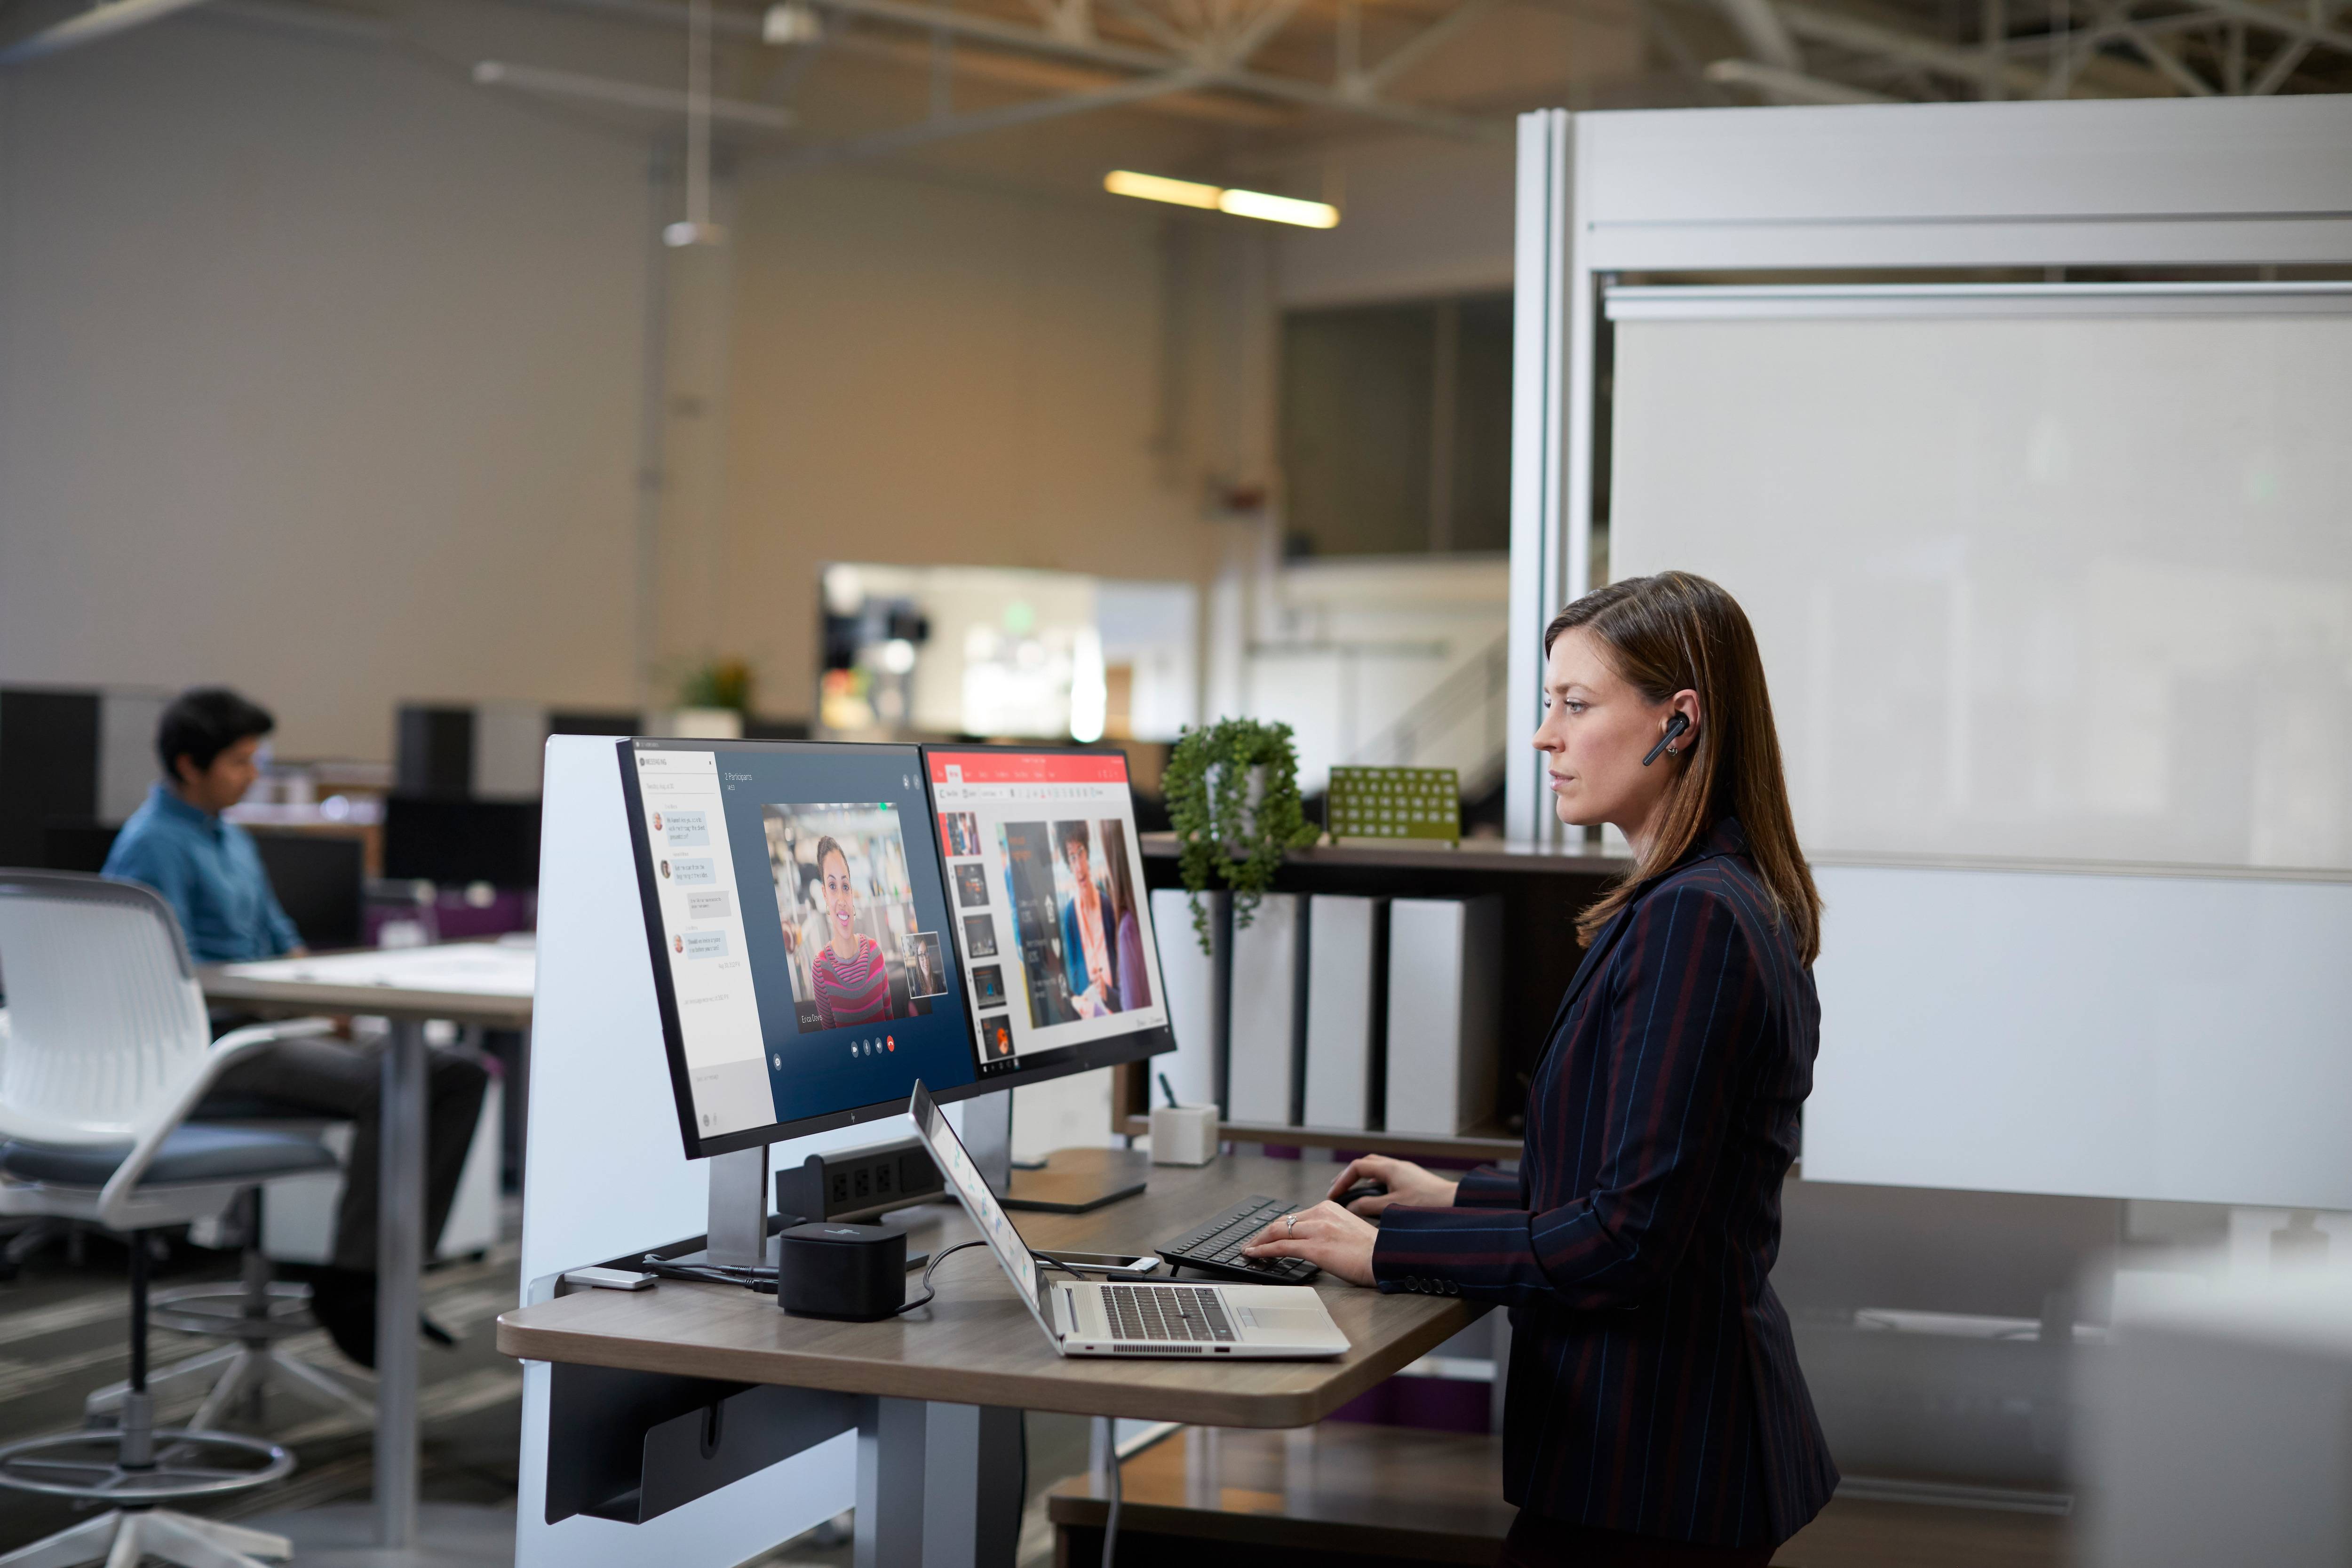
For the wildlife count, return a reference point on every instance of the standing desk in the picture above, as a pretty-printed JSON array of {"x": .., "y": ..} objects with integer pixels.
[
  {"x": 463, "y": 984},
  {"x": 935, "y": 1395}
]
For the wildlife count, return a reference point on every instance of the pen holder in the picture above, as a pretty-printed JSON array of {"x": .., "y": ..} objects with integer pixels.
[{"x": 1184, "y": 1135}]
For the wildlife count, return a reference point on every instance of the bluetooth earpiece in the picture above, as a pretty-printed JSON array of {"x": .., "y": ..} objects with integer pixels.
[{"x": 1674, "y": 727}]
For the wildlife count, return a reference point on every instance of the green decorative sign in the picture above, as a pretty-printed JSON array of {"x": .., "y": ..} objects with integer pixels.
[{"x": 1394, "y": 803}]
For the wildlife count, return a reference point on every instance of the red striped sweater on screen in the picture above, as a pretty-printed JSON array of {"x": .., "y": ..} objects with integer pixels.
[{"x": 854, "y": 991}]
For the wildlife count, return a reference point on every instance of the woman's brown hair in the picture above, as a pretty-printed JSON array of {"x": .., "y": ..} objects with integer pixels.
[{"x": 1676, "y": 632}]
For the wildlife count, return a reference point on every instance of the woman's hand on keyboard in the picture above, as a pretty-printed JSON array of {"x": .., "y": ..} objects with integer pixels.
[
  {"x": 1406, "y": 1183},
  {"x": 1326, "y": 1235}
]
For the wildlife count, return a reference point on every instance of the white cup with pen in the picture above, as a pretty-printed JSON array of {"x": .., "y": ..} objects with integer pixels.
[{"x": 1182, "y": 1134}]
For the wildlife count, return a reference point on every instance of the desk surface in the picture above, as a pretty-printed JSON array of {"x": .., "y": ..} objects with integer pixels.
[
  {"x": 466, "y": 983},
  {"x": 976, "y": 1344}
]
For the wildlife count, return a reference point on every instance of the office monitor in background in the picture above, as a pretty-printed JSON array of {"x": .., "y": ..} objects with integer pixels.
[
  {"x": 455, "y": 842},
  {"x": 320, "y": 881}
]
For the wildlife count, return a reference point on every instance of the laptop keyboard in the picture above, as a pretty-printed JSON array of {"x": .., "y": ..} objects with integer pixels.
[
  {"x": 1166, "y": 1312},
  {"x": 1215, "y": 1247}
]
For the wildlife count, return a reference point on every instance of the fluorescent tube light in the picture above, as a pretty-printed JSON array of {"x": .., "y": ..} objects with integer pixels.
[
  {"x": 1279, "y": 209},
  {"x": 1155, "y": 188},
  {"x": 1241, "y": 204}
]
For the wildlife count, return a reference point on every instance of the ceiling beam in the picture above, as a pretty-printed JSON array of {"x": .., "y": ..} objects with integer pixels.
[
  {"x": 626, "y": 94},
  {"x": 1130, "y": 57},
  {"x": 1415, "y": 49},
  {"x": 1788, "y": 86},
  {"x": 947, "y": 127},
  {"x": 101, "y": 21},
  {"x": 1053, "y": 76},
  {"x": 1767, "y": 36}
]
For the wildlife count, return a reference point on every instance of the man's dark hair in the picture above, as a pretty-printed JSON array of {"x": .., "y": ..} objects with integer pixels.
[
  {"x": 1066, "y": 834},
  {"x": 204, "y": 722}
]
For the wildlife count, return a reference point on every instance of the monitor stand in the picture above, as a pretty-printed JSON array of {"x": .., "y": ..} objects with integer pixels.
[
  {"x": 737, "y": 1233},
  {"x": 1073, "y": 1181}
]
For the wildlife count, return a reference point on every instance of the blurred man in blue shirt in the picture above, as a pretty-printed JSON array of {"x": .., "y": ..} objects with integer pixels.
[
  {"x": 206, "y": 869},
  {"x": 210, "y": 873}
]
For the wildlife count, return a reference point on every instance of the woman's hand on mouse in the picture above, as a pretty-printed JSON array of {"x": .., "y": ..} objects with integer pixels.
[
  {"x": 1329, "y": 1237},
  {"x": 1406, "y": 1183}
]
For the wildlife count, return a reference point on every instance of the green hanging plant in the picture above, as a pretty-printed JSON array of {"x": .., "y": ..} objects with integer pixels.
[{"x": 1218, "y": 827}]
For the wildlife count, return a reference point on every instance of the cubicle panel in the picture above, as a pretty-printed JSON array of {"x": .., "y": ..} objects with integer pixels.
[
  {"x": 2096, "y": 1035},
  {"x": 604, "y": 1177}
]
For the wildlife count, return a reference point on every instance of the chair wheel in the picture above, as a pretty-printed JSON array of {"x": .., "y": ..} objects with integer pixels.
[{"x": 88, "y": 1464}]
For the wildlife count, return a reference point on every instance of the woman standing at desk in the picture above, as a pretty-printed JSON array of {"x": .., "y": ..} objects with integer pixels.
[{"x": 1654, "y": 1412}]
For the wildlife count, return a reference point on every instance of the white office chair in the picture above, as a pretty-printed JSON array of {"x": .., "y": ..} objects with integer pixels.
[{"x": 108, "y": 1052}]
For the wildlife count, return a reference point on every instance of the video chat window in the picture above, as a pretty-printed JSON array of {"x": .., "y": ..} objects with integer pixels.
[
  {"x": 1075, "y": 910},
  {"x": 848, "y": 916}
]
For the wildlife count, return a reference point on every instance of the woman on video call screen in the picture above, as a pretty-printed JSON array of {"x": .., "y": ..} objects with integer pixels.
[{"x": 848, "y": 915}]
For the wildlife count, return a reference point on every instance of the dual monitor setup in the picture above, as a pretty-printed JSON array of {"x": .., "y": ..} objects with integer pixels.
[
  {"x": 832, "y": 923},
  {"x": 842, "y": 932}
]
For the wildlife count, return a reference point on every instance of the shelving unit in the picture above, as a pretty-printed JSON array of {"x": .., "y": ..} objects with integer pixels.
[{"x": 1543, "y": 890}]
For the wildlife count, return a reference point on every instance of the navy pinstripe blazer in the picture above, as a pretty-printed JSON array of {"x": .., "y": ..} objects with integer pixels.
[{"x": 1654, "y": 1387}]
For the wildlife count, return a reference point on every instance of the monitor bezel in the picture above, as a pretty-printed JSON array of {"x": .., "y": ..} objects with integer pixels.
[
  {"x": 1110, "y": 1051},
  {"x": 699, "y": 1147}
]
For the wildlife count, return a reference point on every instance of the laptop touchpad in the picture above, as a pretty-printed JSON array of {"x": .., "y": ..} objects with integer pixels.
[{"x": 1284, "y": 1319}]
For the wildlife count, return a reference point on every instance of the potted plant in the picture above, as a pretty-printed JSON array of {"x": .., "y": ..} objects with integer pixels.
[{"x": 1233, "y": 798}]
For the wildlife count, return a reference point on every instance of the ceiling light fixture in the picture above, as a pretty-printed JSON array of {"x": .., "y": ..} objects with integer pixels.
[
  {"x": 696, "y": 227},
  {"x": 1216, "y": 198}
]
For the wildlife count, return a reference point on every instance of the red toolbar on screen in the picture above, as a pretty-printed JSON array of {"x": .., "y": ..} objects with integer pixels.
[{"x": 1009, "y": 766}]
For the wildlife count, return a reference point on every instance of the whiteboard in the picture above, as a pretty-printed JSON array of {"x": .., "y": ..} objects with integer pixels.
[
  {"x": 2097, "y": 1036},
  {"x": 2039, "y": 587}
]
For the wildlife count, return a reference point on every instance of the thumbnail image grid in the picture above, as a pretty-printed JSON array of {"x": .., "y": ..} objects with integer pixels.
[
  {"x": 1072, "y": 886},
  {"x": 959, "y": 831},
  {"x": 848, "y": 915}
]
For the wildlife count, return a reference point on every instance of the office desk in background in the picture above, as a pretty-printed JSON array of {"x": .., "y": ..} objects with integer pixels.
[
  {"x": 936, "y": 1394},
  {"x": 489, "y": 983}
]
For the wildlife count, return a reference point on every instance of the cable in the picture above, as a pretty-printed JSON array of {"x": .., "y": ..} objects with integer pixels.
[
  {"x": 936, "y": 1258},
  {"x": 751, "y": 1277},
  {"x": 1110, "y": 1524}
]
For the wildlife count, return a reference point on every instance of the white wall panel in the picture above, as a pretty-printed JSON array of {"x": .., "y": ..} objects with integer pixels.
[
  {"x": 2064, "y": 589},
  {"x": 2179, "y": 1038}
]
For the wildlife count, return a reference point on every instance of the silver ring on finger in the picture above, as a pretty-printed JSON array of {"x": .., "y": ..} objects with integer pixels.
[{"x": 1290, "y": 1225}]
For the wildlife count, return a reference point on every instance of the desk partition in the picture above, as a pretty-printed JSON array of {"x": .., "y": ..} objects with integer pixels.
[{"x": 604, "y": 1175}]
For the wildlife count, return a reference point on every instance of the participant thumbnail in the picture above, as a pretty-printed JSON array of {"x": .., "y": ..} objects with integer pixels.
[
  {"x": 927, "y": 971},
  {"x": 979, "y": 936},
  {"x": 1076, "y": 919},
  {"x": 848, "y": 915},
  {"x": 959, "y": 831},
  {"x": 971, "y": 885}
]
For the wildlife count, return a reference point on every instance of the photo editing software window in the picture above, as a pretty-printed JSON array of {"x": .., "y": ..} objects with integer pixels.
[
  {"x": 805, "y": 926},
  {"x": 1046, "y": 873}
]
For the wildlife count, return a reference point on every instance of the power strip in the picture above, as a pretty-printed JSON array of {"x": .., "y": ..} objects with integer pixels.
[{"x": 851, "y": 1184}]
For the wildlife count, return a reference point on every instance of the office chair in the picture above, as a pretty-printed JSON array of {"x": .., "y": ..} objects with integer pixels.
[{"x": 108, "y": 1052}]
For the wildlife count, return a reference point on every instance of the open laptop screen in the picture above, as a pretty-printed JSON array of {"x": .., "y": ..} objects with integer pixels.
[{"x": 995, "y": 1228}]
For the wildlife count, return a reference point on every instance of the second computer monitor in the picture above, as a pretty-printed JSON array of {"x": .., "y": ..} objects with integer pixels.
[{"x": 1046, "y": 870}]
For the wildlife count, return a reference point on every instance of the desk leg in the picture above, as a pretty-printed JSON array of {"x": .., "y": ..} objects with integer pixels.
[
  {"x": 939, "y": 1486},
  {"x": 400, "y": 1263}
]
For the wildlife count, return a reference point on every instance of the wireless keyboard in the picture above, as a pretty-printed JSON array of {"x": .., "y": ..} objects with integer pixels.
[{"x": 1215, "y": 1247}]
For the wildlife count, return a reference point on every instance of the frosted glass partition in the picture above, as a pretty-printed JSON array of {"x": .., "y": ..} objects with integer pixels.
[
  {"x": 2103, "y": 1035},
  {"x": 2029, "y": 585}
]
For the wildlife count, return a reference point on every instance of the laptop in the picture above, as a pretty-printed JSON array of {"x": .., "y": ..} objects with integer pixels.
[{"x": 1122, "y": 1317}]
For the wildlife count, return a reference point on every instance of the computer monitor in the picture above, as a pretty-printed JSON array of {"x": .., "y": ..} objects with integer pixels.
[
  {"x": 320, "y": 881},
  {"x": 456, "y": 842},
  {"x": 1051, "y": 912},
  {"x": 800, "y": 930}
]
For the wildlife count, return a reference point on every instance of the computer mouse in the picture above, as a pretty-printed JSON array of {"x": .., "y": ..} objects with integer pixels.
[{"x": 1367, "y": 1188}]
